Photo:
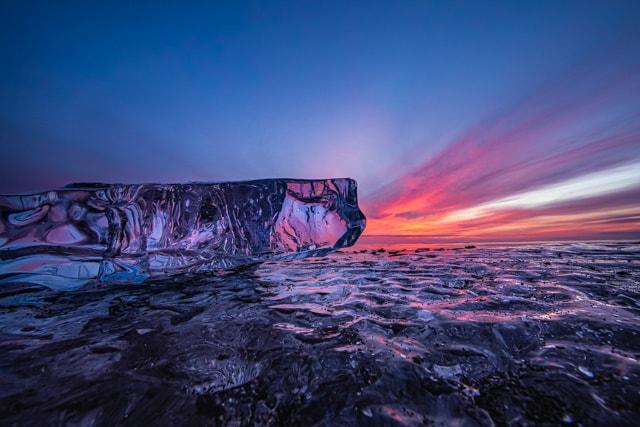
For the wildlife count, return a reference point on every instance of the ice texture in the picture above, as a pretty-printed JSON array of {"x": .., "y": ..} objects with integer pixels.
[
  {"x": 130, "y": 232},
  {"x": 537, "y": 334}
]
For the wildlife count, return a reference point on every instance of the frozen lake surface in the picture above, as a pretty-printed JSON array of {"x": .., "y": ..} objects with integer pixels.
[{"x": 543, "y": 334}]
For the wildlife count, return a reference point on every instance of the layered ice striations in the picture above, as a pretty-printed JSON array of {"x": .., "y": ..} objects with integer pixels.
[{"x": 129, "y": 232}]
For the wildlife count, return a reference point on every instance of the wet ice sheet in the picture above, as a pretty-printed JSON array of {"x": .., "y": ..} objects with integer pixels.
[{"x": 476, "y": 336}]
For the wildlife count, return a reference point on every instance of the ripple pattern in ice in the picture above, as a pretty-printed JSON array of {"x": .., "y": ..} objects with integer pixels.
[{"x": 531, "y": 335}]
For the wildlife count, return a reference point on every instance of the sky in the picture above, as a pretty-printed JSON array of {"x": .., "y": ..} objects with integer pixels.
[{"x": 459, "y": 120}]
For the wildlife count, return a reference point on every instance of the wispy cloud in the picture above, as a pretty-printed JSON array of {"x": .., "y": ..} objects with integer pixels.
[
  {"x": 572, "y": 143},
  {"x": 582, "y": 187}
]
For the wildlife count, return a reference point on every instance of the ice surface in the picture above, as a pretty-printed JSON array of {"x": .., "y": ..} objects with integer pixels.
[
  {"x": 494, "y": 335},
  {"x": 116, "y": 232}
]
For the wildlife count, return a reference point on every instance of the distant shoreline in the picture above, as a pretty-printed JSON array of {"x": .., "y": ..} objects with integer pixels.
[{"x": 408, "y": 242}]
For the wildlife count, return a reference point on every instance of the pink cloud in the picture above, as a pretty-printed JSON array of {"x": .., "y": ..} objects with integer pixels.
[{"x": 588, "y": 122}]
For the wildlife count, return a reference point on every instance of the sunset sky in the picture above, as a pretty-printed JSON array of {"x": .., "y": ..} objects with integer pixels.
[{"x": 460, "y": 120}]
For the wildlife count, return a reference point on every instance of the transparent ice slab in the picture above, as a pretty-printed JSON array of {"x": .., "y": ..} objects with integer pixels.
[{"x": 130, "y": 232}]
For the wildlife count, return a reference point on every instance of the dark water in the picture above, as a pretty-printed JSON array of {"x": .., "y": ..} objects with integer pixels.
[{"x": 529, "y": 335}]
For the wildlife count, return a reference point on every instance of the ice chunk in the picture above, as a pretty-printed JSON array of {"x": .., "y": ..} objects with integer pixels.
[{"x": 133, "y": 231}]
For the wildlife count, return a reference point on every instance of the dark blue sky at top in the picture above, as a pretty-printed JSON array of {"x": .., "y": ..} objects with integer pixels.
[{"x": 172, "y": 92}]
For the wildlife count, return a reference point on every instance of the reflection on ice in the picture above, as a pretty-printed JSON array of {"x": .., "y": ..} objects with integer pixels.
[{"x": 496, "y": 335}]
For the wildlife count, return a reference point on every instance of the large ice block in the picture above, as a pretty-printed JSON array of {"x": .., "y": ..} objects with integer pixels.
[{"x": 129, "y": 232}]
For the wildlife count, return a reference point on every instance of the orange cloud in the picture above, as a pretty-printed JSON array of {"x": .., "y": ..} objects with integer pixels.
[{"x": 564, "y": 164}]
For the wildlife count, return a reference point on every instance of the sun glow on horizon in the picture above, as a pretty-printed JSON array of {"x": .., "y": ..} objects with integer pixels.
[{"x": 595, "y": 203}]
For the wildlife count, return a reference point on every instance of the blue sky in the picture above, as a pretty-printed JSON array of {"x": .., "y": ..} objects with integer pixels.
[{"x": 451, "y": 115}]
